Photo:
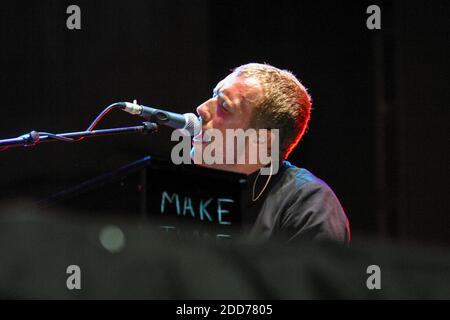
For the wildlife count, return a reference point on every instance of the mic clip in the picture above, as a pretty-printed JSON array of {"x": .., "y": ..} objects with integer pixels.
[
  {"x": 150, "y": 127},
  {"x": 30, "y": 139}
]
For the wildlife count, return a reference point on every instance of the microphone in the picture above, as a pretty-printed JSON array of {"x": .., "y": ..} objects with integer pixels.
[{"x": 187, "y": 121}]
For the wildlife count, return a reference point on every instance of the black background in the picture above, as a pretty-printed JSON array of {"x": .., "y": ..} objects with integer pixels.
[{"x": 378, "y": 134}]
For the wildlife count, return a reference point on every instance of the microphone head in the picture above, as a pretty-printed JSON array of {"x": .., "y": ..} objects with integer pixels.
[{"x": 193, "y": 125}]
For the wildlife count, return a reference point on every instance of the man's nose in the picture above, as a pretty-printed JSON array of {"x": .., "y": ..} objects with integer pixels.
[{"x": 205, "y": 111}]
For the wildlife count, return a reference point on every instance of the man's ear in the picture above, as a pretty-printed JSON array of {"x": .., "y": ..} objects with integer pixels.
[
  {"x": 270, "y": 148},
  {"x": 264, "y": 139},
  {"x": 265, "y": 136}
]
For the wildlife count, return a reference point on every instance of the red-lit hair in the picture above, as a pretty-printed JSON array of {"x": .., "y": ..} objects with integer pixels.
[{"x": 285, "y": 105}]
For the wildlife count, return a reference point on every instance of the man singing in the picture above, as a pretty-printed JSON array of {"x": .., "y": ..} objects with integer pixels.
[{"x": 285, "y": 201}]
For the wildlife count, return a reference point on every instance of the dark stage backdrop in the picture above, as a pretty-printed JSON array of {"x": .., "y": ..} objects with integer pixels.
[{"x": 378, "y": 134}]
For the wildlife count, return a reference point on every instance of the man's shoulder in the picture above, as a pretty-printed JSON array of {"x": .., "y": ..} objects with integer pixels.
[
  {"x": 302, "y": 189},
  {"x": 313, "y": 205},
  {"x": 297, "y": 178}
]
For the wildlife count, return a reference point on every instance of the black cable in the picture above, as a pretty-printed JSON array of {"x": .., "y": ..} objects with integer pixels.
[
  {"x": 65, "y": 139},
  {"x": 56, "y": 137},
  {"x": 95, "y": 122}
]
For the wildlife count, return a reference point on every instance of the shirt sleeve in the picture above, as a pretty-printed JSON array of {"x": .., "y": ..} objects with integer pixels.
[{"x": 315, "y": 214}]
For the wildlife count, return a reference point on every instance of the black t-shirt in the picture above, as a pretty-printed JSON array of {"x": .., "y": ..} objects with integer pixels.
[{"x": 295, "y": 205}]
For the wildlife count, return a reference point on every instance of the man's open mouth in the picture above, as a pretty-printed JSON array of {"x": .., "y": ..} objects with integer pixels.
[{"x": 201, "y": 137}]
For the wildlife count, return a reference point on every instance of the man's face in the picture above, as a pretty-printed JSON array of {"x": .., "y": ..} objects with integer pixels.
[
  {"x": 231, "y": 107},
  {"x": 232, "y": 104}
]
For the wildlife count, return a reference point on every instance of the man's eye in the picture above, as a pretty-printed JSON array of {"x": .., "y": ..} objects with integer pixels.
[{"x": 224, "y": 106}]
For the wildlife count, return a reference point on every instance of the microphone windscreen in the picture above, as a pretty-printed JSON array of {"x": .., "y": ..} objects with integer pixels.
[{"x": 193, "y": 125}]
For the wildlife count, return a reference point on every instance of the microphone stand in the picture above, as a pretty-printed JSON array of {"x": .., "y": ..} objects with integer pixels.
[{"x": 33, "y": 138}]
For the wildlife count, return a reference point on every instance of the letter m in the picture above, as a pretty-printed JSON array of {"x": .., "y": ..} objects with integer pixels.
[{"x": 165, "y": 197}]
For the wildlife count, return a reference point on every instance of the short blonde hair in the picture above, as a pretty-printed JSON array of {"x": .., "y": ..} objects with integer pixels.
[{"x": 285, "y": 105}]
